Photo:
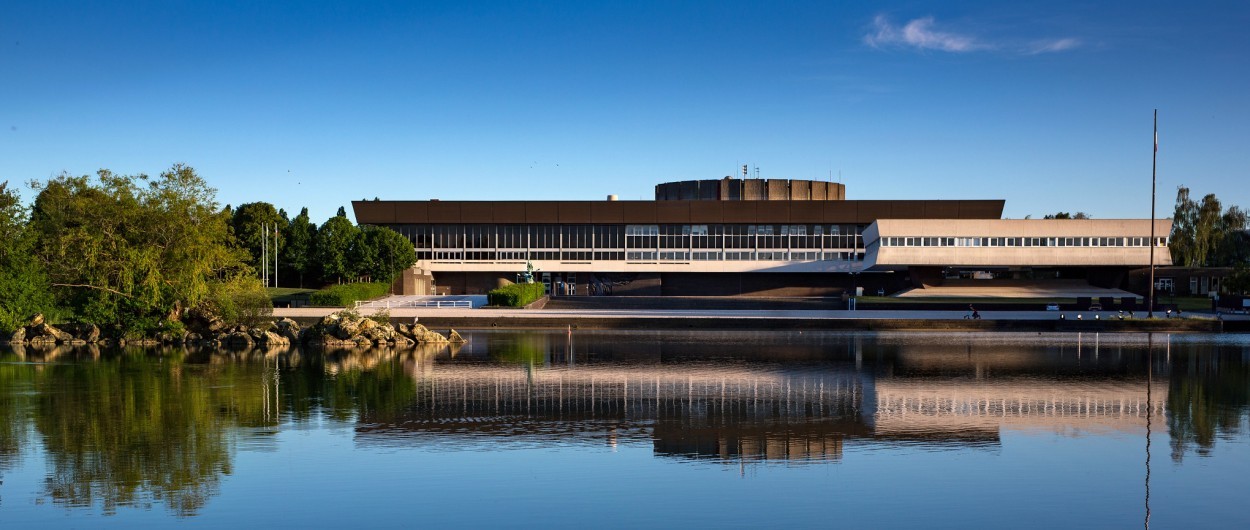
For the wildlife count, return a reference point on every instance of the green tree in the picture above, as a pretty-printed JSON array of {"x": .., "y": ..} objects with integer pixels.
[
  {"x": 341, "y": 213},
  {"x": 381, "y": 254},
  {"x": 1066, "y": 215},
  {"x": 254, "y": 225},
  {"x": 24, "y": 288},
  {"x": 333, "y": 246},
  {"x": 1239, "y": 281},
  {"x": 1233, "y": 247},
  {"x": 1205, "y": 235},
  {"x": 298, "y": 254},
  {"x": 132, "y": 251}
]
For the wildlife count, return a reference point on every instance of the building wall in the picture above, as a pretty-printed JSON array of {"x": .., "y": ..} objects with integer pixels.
[{"x": 883, "y": 255}]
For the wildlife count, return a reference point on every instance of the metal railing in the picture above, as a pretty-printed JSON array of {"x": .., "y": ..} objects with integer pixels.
[{"x": 397, "y": 304}]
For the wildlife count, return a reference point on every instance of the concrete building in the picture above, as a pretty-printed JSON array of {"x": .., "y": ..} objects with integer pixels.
[{"x": 770, "y": 237}]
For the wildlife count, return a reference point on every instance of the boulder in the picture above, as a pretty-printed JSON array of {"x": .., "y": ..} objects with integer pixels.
[
  {"x": 86, "y": 332},
  {"x": 273, "y": 339},
  {"x": 36, "y": 320},
  {"x": 422, "y": 334},
  {"x": 202, "y": 320},
  {"x": 289, "y": 329},
  {"x": 455, "y": 338},
  {"x": 47, "y": 331},
  {"x": 194, "y": 338},
  {"x": 239, "y": 339},
  {"x": 257, "y": 333},
  {"x": 18, "y": 336},
  {"x": 347, "y": 328}
]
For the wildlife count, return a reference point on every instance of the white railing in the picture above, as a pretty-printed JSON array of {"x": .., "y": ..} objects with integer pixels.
[{"x": 397, "y": 304}]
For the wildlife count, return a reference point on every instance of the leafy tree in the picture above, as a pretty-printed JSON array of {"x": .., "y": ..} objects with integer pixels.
[
  {"x": 381, "y": 254},
  {"x": 132, "y": 251},
  {"x": 1233, "y": 247},
  {"x": 1205, "y": 235},
  {"x": 24, "y": 288},
  {"x": 1066, "y": 215},
  {"x": 341, "y": 213},
  {"x": 1184, "y": 219},
  {"x": 298, "y": 254},
  {"x": 333, "y": 246},
  {"x": 249, "y": 224},
  {"x": 1239, "y": 281}
]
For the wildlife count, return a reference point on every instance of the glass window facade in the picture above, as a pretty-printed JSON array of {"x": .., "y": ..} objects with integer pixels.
[{"x": 641, "y": 243}]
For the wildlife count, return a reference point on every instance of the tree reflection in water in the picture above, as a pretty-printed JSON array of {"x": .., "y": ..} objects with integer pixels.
[{"x": 1208, "y": 395}]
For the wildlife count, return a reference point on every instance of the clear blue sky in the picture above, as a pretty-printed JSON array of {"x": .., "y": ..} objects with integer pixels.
[{"x": 1047, "y": 105}]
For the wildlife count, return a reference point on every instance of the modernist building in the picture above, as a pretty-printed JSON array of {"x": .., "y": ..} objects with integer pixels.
[{"x": 774, "y": 237}]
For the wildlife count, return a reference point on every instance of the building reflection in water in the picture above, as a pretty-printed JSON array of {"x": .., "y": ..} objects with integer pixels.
[{"x": 747, "y": 397}]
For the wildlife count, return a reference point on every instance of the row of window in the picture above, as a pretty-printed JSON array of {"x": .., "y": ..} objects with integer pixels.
[
  {"x": 637, "y": 255},
  {"x": 1021, "y": 241},
  {"x": 619, "y": 237}
]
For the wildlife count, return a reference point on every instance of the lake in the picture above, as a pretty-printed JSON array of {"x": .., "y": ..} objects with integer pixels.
[{"x": 629, "y": 429}]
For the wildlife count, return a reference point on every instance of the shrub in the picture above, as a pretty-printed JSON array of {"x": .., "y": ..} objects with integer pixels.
[
  {"x": 381, "y": 316},
  {"x": 240, "y": 300},
  {"x": 516, "y": 294},
  {"x": 344, "y": 295}
]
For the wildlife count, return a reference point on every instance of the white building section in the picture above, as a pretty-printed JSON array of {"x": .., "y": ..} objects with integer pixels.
[{"x": 896, "y": 244}]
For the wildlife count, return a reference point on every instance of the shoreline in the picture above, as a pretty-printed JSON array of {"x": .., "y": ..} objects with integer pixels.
[{"x": 467, "y": 319}]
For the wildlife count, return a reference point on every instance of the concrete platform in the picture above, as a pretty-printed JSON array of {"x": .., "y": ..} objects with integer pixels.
[{"x": 1014, "y": 289}]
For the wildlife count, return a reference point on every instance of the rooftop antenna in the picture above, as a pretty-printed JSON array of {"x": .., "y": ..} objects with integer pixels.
[
  {"x": 757, "y": 172},
  {"x": 744, "y": 171}
]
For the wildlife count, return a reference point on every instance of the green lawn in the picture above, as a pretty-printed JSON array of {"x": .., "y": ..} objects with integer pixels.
[
  {"x": 275, "y": 292},
  {"x": 1187, "y": 303}
]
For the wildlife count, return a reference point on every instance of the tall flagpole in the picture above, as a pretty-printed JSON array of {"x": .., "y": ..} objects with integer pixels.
[{"x": 1154, "y": 164}]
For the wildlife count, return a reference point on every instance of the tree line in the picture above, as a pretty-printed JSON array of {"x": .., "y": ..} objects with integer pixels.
[
  {"x": 337, "y": 251},
  {"x": 134, "y": 254}
]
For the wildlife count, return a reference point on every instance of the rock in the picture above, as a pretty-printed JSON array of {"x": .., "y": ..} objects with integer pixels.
[
  {"x": 455, "y": 338},
  {"x": 347, "y": 328},
  {"x": 202, "y": 320},
  {"x": 194, "y": 338},
  {"x": 290, "y": 330},
  {"x": 36, "y": 320},
  {"x": 421, "y": 334},
  {"x": 18, "y": 336},
  {"x": 239, "y": 339},
  {"x": 45, "y": 330},
  {"x": 86, "y": 332},
  {"x": 273, "y": 339}
]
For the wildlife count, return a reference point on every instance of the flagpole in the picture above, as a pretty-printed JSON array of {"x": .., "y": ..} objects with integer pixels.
[{"x": 1154, "y": 164}]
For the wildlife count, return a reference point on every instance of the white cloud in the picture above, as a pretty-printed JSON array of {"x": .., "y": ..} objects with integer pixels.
[
  {"x": 921, "y": 34},
  {"x": 918, "y": 33},
  {"x": 1052, "y": 45}
]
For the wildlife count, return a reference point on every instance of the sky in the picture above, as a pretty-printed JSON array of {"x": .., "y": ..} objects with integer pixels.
[{"x": 1048, "y": 105}]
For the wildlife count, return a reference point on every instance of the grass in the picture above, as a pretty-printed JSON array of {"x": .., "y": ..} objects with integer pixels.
[
  {"x": 1187, "y": 303},
  {"x": 283, "y": 292}
]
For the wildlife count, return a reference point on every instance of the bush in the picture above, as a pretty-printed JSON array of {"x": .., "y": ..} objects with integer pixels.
[
  {"x": 344, "y": 295},
  {"x": 516, "y": 295},
  {"x": 240, "y": 301}
]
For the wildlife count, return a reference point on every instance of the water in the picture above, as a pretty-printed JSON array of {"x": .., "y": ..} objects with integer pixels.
[{"x": 524, "y": 429}]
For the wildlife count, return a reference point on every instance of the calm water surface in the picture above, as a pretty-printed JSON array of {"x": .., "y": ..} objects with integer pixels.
[{"x": 523, "y": 429}]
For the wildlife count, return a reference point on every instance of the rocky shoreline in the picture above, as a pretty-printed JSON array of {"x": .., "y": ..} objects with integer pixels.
[{"x": 344, "y": 328}]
